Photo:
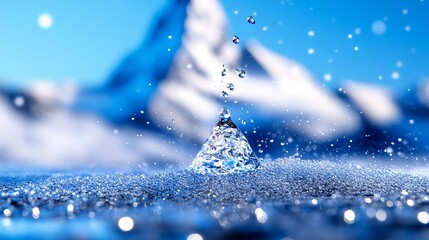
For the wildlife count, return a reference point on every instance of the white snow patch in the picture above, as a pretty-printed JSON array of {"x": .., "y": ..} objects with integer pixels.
[{"x": 376, "y": 102}]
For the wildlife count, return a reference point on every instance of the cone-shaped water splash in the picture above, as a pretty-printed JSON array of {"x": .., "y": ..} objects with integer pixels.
[{"x": 226, "y": 150}]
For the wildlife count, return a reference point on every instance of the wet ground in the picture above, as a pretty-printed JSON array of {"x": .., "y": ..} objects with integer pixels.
[{"x": 283, "y": 199}]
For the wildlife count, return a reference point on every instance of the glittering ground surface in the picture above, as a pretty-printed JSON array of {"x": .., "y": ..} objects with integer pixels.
[{"x": 284, "y": 198}]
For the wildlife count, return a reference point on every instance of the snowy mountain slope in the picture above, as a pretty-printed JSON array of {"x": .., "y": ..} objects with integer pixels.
[
  {"x": 136, "y": 77},
  {"x": 64, "y": 139},
  {"x": 377, "y": 103}
]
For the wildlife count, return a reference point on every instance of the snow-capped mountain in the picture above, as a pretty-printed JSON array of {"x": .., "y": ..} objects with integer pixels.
[
  {"x": 276, "y": 95},
  {"x": 162, "y": 100},
  {"x": 286, "y": 93}
]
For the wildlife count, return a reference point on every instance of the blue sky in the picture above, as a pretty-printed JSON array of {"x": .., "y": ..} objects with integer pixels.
[
  {"x": 89, "y": 38},
  {"x": 288, "y": 24}
]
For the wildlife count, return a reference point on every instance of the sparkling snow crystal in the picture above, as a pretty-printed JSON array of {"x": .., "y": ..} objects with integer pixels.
[{"x": 226, "y": 150}]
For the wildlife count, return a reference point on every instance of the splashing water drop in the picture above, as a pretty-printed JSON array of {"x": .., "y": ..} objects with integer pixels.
[
  {"x": 243, "y": 122},
  {"x": 226, "y": 150},
  {"x": 224, "y": 115},
  {"x": 250, "y": 20},
  {"x": 223, "y": 71},
  {"x": 230, "y": 86},
  {"x": 224, "y": 94},
  {"x": 241, "y": 73},
  {"x": 235, "y": 39},
  {"x": 19, "y": 101}
]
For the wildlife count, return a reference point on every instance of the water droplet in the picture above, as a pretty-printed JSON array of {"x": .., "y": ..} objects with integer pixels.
[
  {"x": 349, "y": 216},
  {"x": 243, "y": 122},
  {"x": 126, "y": 224},
  {"x": 314, "y": 201},
  {"x": 70, "y": 208},
  {"x": 168, "y": 127},
  {"x": 261, "y": 216},
  {"x": 423, "y": 217},
  {"x": 91, "y": 214},
  {"x": 381, "y": 215},
  {"x": 224, "y": 94},
  {"x": 7, "y": 212},
  {"x": 399, "y": 64},
  {"x": 395, "y": 75},
  {"x": 240, "y": 72},
  {"x": 250, "y": 20},
  {"x": 19, "y": 101},
  {"x": 35, "y": 212},
  {"x": 327, "y": 77},
  {"x": 235, "y": 39},
  {"x": 261, "y": 150},
  {"x": 407, "y": 28},
  {"x": 223, "y": 72},
  {"x": 226, "y": 150},
  {"x": 45, "y": 21},
  {"x": 194, "y": 236},
  {"x": 358, "y": 31},
  {"x": 230, "y": 86},
  {"x": 378, "y": 27}
]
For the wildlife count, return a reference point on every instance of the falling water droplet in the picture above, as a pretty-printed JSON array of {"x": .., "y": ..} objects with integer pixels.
[
  {"x": 224, "y": 94},
  {"x": 235, "y": 39},
  {"x": 243, "y": 122},
  {"x": 168, "y": 127},
  {"x": 226, "y": 150},
  {"x": 230, "y": 86},
  {"x": 19, "y": 101},
  {"x": 240, "y": 72},
  {"x": 250, "y": 20}
]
